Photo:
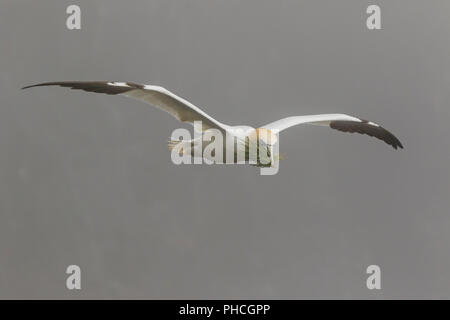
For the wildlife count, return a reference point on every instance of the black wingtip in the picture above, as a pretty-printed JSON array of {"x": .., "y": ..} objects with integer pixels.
[
  {"x": 364, "y": 127},
  {"x": 397, "y": 143},
  {"x": 36, "y": 85},
  {"x": 92, "y": 86},
  {"x": 43, "y": 84}
]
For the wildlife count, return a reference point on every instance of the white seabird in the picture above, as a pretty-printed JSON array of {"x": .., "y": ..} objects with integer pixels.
[{"x": 185, "y": 111}]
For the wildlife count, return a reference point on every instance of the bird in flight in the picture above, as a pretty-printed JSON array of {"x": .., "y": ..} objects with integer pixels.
[{"x": 185, "y": 111}]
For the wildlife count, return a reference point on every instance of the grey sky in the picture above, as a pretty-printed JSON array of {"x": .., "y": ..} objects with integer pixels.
[{"x": 87, "y": 179}]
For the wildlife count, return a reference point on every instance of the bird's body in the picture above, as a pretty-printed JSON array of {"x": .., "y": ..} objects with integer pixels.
[
  {"x": 245, "y": 137},
  {"x": 237, "y": 144}
]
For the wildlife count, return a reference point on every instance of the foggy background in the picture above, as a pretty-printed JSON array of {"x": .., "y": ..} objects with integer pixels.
[{"x": 87, "y": 179}]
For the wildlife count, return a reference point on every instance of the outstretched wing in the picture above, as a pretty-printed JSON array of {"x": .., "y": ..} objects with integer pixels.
[
  {"x": 157, "y": 96},
  {"x": 341, "y": 122}
]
